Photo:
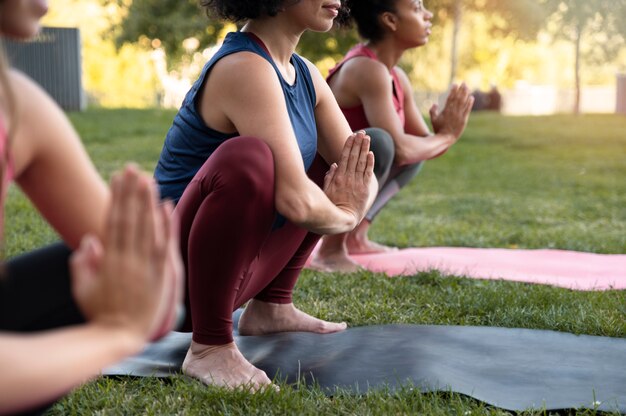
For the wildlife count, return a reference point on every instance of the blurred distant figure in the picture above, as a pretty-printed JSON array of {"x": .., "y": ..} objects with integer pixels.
[{"x": 487, "y": 101}]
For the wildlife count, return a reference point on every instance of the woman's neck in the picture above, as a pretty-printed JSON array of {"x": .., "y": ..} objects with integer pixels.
[
  {"x": 277, "y": 35},
  {"x": 386, "y": 51}
]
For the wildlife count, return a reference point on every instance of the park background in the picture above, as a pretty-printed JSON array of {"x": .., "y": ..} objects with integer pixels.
[
  {"x": 514, "y": 182},
  {"x": 541, "y": 54}
]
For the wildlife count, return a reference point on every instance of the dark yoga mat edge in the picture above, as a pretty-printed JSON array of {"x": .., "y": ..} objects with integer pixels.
[{"x": 514, "y": 369}]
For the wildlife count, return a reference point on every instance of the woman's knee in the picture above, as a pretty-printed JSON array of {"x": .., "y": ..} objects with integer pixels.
[
  {"x": 383, "y": 147},
  {"x": 246, "y": 164}
]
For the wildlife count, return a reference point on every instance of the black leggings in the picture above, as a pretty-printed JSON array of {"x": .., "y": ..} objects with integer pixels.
[
  {"x": 35, "y": 293},
  {"x": 391, "y": 177}
]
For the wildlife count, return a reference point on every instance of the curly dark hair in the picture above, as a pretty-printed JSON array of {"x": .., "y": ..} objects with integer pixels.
[
  {"x": 365, "y": 14},
  {"x": 240, "y": 10}
]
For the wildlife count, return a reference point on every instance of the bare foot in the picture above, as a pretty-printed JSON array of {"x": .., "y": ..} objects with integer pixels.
[
  {"x": 260, "y": 318},
  {"x": 334, "y": 263},
  {"x": 367, "y": 247},
  {"x": 357, "y": 241},
  {"x": 223, "y": 366},
  {"x": 332, "y": 256}
]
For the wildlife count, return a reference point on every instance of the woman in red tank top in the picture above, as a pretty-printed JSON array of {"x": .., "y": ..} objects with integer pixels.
[{"x": 373, "y": 92}]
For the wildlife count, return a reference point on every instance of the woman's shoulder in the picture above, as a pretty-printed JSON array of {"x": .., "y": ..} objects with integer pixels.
[
  {"x": 237, "y": 54},
  {"x": 20, "y": 81},
  {"x": 364, "y": 71},
  {"x": 243, "y": 65},
  {"x": 29, "y": 98}
]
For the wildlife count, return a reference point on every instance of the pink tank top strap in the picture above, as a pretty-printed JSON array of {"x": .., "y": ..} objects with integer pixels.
[{"x": 358, "y": 50}]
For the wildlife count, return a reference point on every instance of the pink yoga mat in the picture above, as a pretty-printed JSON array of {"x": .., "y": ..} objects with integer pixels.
[{"x": 568, "y": 269}]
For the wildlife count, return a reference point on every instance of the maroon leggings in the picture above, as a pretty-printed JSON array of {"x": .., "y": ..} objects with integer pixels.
[{"x": 231, "y": 250}]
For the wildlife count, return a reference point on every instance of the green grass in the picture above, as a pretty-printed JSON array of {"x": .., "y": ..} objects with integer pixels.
[{"x": 527, "y": 182}]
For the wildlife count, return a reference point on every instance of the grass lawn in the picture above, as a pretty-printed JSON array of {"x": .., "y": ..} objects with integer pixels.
[{"x": 523, "y": 182}]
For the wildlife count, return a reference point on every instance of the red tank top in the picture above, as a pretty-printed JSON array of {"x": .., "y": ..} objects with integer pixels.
[{"x": 356, "y": 115}]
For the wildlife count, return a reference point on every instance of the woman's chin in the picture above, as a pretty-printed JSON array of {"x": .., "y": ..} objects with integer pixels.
[{"x": 21, "y": 33}]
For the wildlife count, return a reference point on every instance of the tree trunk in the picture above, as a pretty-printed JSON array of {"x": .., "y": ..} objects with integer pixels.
[
  {"x": 454, "y": 59},
  {"x": 579, "y": 34}
]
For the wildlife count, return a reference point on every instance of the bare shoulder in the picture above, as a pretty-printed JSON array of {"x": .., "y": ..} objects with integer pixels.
[
  {"x": 234, "y": 79},
  {"x": 27, "y": 92},
  {"x": 365, "y": 72},
  {"x": 19, "y": 79},
  {"x": 242, "y": 67},
  {"x": 32, "y": 104}
]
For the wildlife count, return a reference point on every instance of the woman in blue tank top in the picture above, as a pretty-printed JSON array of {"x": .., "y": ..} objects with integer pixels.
[{"x": 247, "y": 159}]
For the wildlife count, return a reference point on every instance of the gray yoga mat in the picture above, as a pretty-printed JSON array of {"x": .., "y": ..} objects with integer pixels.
[{"x": 514, "y": 369}]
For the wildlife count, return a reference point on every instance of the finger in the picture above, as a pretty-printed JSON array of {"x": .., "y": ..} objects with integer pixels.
[
  {"x": 434, "y": 111},
  {"x": 132, "y": 215},
  {"x": 462, "y": 94},
  {"x": 345, "y": 154},
  {"x": 468, "y": 106},
  {"x": 171, "y": 274},
  {"x": 173, "y": 307},
  {"x": 165, "y": 274},
  {"x": 453, "y": 90},
  {"x": 95, "y": 252},
  {"x": 163, "y": 240},
  {"x": 78, "y": 261},
  {"x": 174, "y": 248},
  {"x": 330, "y": 175},
  {"x": 362, "y": 162},
  {"x": 355, "y": 152},
  {"x": 123, "y": 210},
  {"x": 369, "y": 169},
  {"x": 148, "y": 216},
  {"x": 112, "y": 232},
  {"x": 464, "y": 89},
  {"x": 84, "y": 263},
  {"x": 453, "y": 97}
]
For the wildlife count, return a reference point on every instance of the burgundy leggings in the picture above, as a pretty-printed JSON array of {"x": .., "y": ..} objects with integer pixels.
[{"x": 231, "y": 250}]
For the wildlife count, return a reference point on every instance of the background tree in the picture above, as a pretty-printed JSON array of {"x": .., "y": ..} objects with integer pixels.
[
  {"x": 102, "y": 62},
  {"x": 173, "y": 21},
  {"x": 601, "y": 23},
  {"x": 169, "y": 21},
  {"x": 521, "y": 18}
]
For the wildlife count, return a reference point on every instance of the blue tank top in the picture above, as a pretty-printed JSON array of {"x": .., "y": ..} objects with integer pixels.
[{"x": 190, "y": 142}]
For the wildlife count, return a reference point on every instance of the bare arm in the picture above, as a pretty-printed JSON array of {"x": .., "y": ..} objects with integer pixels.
[
  {"x": 124, "y": 285},
  {"x": 266, "y": 117},
  {"x": 371, "y": 82},
  {"x": 52, "y": 167},
  {"x": 333, "y": 128},
  {"x": 54, "y": 362}
]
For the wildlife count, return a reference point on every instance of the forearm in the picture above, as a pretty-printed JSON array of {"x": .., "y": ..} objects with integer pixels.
[
  {"x": 412, "y": 149},
  {"x": 311, "y": 209},
  {"x": 39, "y": 368},
  {"x": 346, "y": 221}
]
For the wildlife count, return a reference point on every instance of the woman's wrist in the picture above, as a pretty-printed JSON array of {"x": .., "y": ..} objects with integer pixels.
[
  {"x": 351, "y": 219},
  {"x": 124, "y": 341}
]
